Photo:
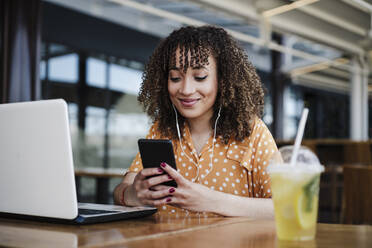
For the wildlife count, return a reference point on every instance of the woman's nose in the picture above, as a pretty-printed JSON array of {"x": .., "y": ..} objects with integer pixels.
[{"x": 187, "y": 87}]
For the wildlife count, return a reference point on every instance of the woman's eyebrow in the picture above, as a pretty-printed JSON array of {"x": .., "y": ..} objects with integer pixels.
[
  {"x": 194, "y": 68},
  {"x": 200, "y": 67}
]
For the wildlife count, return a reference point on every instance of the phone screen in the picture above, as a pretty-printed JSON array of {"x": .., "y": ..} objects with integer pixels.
[{"x": 155, "y": 151}]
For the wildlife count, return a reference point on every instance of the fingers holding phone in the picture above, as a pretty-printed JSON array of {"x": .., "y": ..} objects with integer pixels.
[
  {"x": 188, "y": 195},
  {"x": 173, "y": 174},
  {"x": 153, "y": 186},
  {"x": 144, "y": 184}
]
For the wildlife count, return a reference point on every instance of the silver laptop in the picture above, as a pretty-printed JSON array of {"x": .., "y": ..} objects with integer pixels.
[{"x": 36, "y": 168}]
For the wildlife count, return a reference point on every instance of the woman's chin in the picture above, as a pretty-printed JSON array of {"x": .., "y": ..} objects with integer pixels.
[{"x": 189, "y": 113}]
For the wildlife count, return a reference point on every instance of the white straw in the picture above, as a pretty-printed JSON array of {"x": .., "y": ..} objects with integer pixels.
[{"x": 300, "y": 133}]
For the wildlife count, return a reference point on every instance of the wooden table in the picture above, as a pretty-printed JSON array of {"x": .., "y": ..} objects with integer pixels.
[{"x": 180, "y": 232}]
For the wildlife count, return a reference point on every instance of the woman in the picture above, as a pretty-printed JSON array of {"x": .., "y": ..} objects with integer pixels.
[{"x": 202, "y": 93}]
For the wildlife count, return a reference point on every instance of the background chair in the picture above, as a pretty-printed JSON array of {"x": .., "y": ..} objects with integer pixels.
[
  {"x": 357, "y": 197},
  {"x": 357, "y": 153}
]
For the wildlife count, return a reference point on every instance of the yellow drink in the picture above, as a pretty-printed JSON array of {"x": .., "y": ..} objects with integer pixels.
[{"x": 295, "y": 196}]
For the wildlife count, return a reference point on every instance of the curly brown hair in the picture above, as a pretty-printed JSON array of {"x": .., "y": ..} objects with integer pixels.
[{"x": 240, "y": 93}]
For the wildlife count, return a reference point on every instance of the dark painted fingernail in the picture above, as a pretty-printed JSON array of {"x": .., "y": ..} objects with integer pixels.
[
  {"x": 163, "y": 164},
  {"x": 171, "y": 190},
  {"x": 170, "y": 177},
  {"x": 169, "y": 199},
  {"x": 160, "y": 170}
]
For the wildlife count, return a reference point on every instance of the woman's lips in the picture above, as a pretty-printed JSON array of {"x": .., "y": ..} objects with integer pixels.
[{"x": 188, "y": 102}]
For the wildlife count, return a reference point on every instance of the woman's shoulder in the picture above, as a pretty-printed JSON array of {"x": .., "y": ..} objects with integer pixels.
[
  {"x": 259, "y": 125},
  {"x": 259, "y": 130},
  {"x": 154, "y": 132}
]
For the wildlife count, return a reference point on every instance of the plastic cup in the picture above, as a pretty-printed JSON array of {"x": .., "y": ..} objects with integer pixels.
[{"x": 295, "y": 191}]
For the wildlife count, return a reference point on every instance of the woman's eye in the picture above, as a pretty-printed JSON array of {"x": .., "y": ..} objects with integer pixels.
[
  {"x": 175, "y": 79},
  {"x": 200, "y": 78}
]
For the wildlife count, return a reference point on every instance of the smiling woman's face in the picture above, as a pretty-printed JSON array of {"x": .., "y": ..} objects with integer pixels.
[{"x": 193, "y": 93}]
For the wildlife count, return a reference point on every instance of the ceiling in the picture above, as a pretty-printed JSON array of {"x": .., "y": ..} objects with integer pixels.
[{"x": 314, "y": 35}]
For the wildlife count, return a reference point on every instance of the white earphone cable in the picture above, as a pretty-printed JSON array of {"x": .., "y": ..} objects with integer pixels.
[
  {"x": 214, "y": 140},
  {"x": 190, "y": 159}
]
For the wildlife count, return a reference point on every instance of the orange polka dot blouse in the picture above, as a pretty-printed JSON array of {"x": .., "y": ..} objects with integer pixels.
[{"x": 238, "y": 168}]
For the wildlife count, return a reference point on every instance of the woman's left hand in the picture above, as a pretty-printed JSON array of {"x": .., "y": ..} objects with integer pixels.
[
  {"x": 196, "y": 197},
  {"x": 188, "y": 195}
]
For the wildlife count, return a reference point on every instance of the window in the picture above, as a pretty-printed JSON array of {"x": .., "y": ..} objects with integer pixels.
[
  {"x": 119, "y": 127},
  {"x": 96, "y": 74},
  {"x": 125, "y": 79},
  {"x": 292, "y": 112},
  {"x": 42, "y": 70},
  {"x": 64, "y": 68}
]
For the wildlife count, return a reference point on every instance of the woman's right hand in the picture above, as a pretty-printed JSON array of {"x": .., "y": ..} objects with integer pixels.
[{"x": 142, "y": 192}]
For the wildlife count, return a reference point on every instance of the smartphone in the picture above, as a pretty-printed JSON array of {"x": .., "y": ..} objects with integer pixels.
[{"x": 155, "y": 151}]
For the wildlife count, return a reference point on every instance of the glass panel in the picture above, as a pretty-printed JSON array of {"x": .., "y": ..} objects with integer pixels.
[
  {"x": 268, "y": 109},
  {"x": 260, "y": 57},
  {"x": 76, "y": 140},
  {"x": 127, "y": 124},
  {"x": 57, "y": 49},
  {"x": 125, "y": 79},
  {"x": 293, "y": 105},
  {"x": 94, "y": 136},
  {"x": 73, "y": 118},
  {"x": 64, "y": 68},
  {"x": 88, "y": 145},
  {"x": 268, "y": 112},
  {"x": 42, "y": 70},
  {"x": 125, "y": 129},
  {"x": 95, "y": 121},
  {"x": 96, "y": 74}
]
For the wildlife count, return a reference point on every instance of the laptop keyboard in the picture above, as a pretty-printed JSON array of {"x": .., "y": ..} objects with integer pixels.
[{"x": 85, "y": 211}]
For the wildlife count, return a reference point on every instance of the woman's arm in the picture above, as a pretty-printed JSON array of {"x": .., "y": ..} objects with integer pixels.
[
  {"x": 231, "y": 205},
  {"x": 121, "y": 188},
  {"x": 196, "y": 197},
  {"x": 137, "y": 189}
]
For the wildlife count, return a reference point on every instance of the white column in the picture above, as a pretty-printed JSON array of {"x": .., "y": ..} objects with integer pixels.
[
  {"x": 365, "y": 100},
  {"x": 358, "y": 101}
]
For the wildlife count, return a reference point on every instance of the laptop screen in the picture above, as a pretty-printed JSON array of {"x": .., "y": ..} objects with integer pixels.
[{"x": 36, "y": 165}]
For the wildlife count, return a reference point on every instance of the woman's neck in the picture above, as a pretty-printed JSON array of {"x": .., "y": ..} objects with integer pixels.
[
  {"x": 200, "y": 130},
  {"x": 200, "y": 126}
]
